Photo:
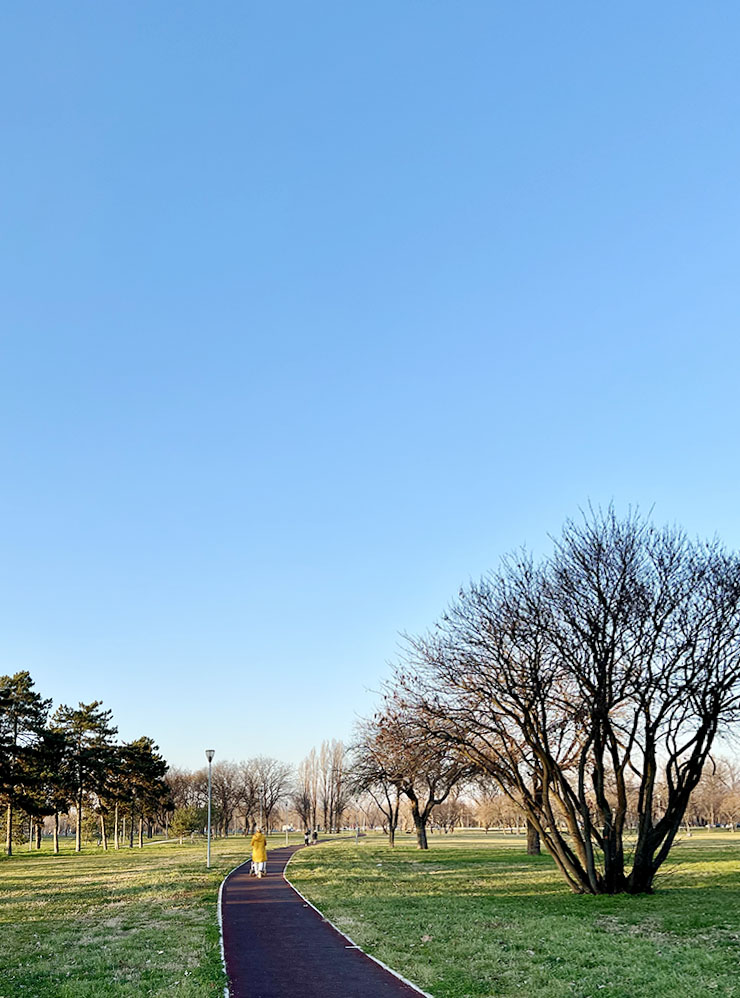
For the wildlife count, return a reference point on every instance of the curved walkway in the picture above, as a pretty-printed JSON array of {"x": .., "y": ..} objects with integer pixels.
[{"x": 278, "y": 946}]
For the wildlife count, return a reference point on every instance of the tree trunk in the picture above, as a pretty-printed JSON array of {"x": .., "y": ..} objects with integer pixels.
[
  {"x": 9, "y": 838},
  {"x": 131, "y": 830},
  {"x": 614, "y": 879},
  {"x": 533, "y": 835},
  {"x": 533, "y": 840},
  {"x": 640, "y": 879},
  {"x": 78, "y": 830},
  {"x": 141, "y": 833},
  {"x": 38, "y": 834},
  {"x": 56, "y": 833},
  {"x": 420, "y": 825},
  {"x": 103, "y": 833},
  {"x": 115, "y": 827},
  {"x": 421, "y": 835}
]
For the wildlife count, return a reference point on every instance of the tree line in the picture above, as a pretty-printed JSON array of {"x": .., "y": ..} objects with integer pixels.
[
  {"x": 264, "y": 792},
  {"x": 68, "y": 762},
  {"x": 64, "y": 769}
]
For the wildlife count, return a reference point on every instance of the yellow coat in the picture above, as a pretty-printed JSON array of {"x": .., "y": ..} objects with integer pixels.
[{"x": 259, "y": 848}]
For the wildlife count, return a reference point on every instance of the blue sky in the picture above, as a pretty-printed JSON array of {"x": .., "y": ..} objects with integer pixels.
[{"x": 313, "y": 311}]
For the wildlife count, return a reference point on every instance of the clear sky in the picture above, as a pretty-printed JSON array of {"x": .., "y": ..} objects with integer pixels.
[{"x": 311, "y": 311}]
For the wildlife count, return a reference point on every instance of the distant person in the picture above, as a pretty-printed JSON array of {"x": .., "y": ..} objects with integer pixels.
[
  {"x": 307, "y": 838},
  {"x": 259, "y": 853},
  {"x": 315, "y": 836}
]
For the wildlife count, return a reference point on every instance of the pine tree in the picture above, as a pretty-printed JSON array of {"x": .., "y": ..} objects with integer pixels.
[
  {"x": 144, "y": 787},
  {"x": 89, "y": 734},
  {"x": 23, "y": 714},
  {"x": 46, "y": 790}
]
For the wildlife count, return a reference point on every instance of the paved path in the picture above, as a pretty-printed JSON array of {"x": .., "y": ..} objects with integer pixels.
[{"x": 278, "y": 947}]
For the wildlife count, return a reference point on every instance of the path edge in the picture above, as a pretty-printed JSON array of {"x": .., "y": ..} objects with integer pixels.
[
  {"x": 219, "y": 910},
  {"x": 345, "y": 936}
]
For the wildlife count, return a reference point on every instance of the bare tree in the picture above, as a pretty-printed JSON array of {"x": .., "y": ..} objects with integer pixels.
[
  {"x": 185, "y": 788},
  {"x": 272, "y": 780},
  {"x": 249, "y": 797},
  {"x": 452, "y": 813},
  {"x": 306, "y": 793},
  {"x": 424, "y": 770},
  {"x": 730, "y": 808},
  {"x": 373, "y": 774},
  {"x": 227, "y": 792},
  {"x": 333, "y": 788},
  {"x": 372, "y": 815},
  {"x": 718, "y": 778},
  {"x": 612, "y": 664}
]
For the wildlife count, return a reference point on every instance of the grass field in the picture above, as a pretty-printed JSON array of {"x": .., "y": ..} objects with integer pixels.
[
  {"x": 475, "y": 916},
  {"x": 122, "y": 924}
]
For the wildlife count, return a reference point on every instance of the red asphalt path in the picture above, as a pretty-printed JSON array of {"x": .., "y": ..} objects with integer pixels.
[{"x": 277, "y": 946}]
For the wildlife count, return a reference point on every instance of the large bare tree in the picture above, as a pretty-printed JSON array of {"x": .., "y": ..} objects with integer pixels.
[{"x": 589, "y": 680}]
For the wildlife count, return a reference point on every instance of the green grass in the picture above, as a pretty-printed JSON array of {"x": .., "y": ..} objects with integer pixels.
[
  {"x": 122, "y": 924},
  {"x": 475, "y": 917}
]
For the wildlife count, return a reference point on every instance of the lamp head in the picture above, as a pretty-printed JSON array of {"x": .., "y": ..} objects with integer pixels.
[{"x": 209, "y": 754}]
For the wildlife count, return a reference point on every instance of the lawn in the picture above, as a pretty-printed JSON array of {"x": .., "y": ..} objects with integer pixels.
[
  {"x": 472, "y": 917},
  {"x": 476, "y": 917},
  {"x": 122, "y": 924}
]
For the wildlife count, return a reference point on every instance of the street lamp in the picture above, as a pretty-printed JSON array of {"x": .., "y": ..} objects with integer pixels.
[{"x": 209, "y": 755}]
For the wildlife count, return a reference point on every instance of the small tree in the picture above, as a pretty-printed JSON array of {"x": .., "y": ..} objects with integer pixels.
[
  {"x": 186, "y": 820},
  {"x": 424, "y": 770},
  {"x": 374, "y": 772}
]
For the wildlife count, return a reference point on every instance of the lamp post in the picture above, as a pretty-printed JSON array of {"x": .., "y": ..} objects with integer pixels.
[{"x": 209, "y": 755}]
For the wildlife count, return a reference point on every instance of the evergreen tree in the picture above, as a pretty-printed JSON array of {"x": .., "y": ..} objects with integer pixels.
[
  {"x": 23, "y": 714},
  {"x": 46, "y": 790},
  {"x": 89, "y": 732},
  {"x": 142, "y": 775}
]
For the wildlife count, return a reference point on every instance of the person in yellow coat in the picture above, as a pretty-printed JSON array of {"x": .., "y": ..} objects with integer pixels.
[{"x": 259, "y": 853}]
